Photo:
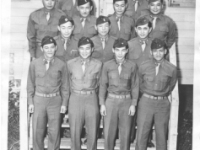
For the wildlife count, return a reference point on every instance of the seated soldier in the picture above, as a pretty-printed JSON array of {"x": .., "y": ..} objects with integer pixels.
[
  {"x": 42, "y": 22},
  {"x": 118, "y": 95},
  {"x": 66, "y": 43},
  {"x": 84, "y": 73},
  {"x": 103, "y": 42},
  {"x": 122, "y": 26},
  {"x": 157, "y": 80},
  {"x": 84, "y": 22}
]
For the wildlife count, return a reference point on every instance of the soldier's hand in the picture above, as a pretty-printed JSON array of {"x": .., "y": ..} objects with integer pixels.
[
  {"x": 103, "y": 110},
  {"x": 131, "y": 111},
  {"x": 63, "y": 109},
  {"x": 31, "y": 108}
]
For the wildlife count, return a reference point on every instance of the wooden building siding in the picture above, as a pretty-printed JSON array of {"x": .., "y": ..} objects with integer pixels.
[{"x": 184, "y": 18}]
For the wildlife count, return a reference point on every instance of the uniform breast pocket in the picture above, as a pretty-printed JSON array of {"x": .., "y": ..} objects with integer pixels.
[
  {"x": 164, "y": 30},
  {"x": 91, "y": 30},
  {"x": 40, "y": 78},
  {"x": 55, "y": 78},
  {"x": 127, "y": 79},
  {"x": 162, "y": 85},
  {"x": 133, "y": 55}
]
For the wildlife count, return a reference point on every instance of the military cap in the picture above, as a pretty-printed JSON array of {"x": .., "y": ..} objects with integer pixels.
[
  {"x": 102, "y": 19},
  {"x": 65, "y": 19},
  {"x": 119, "y": 0},
  {"x": 48, "y": 40},
  {"x": 84, "y": 41},
  {"x": 157, "y": 43},
  {"x": 142, "y": 21},
  {"x": 120, "y": 43},
  {"x": 150, "y": 1},
  {"x": 82, "y": 2}
]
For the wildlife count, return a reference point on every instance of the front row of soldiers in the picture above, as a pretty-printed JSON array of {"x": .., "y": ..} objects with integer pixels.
[{"x": 84, "y": 83}]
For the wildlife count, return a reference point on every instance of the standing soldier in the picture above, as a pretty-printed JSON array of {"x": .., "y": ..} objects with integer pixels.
[
  {"x": 157, "y": 80},
  {"x": 42, "y": 22},
  {"x": 140, "y": 47},
  {"x": 66, "y": 43},
  {"x": 103, "y": 42},
  {"x": 118, "y": 96},
  {"x": 84, "y": 22},
  {"x": 84, "y": 74},
  {"x": 164, "y": 28},
  {"x": 135, "y": 7},
  {"x": 48, "y": 92},
  {"x": 122, "y": 26}
]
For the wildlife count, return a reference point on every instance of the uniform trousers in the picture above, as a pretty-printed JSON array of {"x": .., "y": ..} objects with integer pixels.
[
  {"x": 83, "y": 109},
  {"x": 149, "y": 111},
  {"x": 117, "y": 117},
  {"x": 46, "y": 110}
]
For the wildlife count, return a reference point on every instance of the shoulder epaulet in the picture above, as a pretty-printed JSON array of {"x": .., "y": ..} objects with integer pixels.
[
  {"x": 133, "y": 39},
  {"x": 110, "y": 15},
  {"x": 170, "y": 64},
  {"x": 97, "y": 61},
  {"x": 55, "y": 37},
  {"x": 94, "y": 37},
  {"x": 145, "y": 62},
  {"x": 71, "y": 60},
  {"x": 113, "y": 37}
]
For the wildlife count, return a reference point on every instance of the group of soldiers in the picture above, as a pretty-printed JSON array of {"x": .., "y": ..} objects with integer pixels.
[{"x": 111, "y": 66}]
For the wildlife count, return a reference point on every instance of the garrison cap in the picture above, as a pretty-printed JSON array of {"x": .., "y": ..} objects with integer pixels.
[
  {"x": 102, "y": 19},
  {"x": 65, "y": 19},
  {"x": 157, "y": 43},
  {"x": 84, "y": 41},
  {"x": 119, "y": 0},
  {"x": 150, "y": 1},
  {"x": 120, "y": 43},
  {"x": 82, "y": 2},
  {"x": 48, "y": 40},
  {"x": 142, "y": 21}
]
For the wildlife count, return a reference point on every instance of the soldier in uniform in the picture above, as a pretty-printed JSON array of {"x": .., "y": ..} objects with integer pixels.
[
  {"x": 118, "y": 96},
  {"x": 157, "y": 80},
  {"x": 69, "y": 7},
  {"x": 135, "y": 7},
  {"x": 67, "y": 45},
  {"x": 164, "y": 28},
  {"x": 122, "y": 26},
  {"x": 42, "y": 22},
  {"x": 140, "y": 47},
  {"x": 84, "y": 74},
  {"x": 84, "y": 22},
  {"x": 48, "y": 92},
  {"x": 103, "y": 42}
]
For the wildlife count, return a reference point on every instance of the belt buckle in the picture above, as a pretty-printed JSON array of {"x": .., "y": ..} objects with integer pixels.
[
  {"x": 46, "y": 95},
  {"x": 156, "y": 97},
  {"x": 82, "y": 92}
]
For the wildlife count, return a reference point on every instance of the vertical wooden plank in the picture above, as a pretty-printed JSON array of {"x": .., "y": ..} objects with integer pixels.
[
  {"x": 5, "y": 49},
  {"x": 97, "y": 4},
  {"x": 196, "y": 91},
  {"x": 173, "y": 123}
]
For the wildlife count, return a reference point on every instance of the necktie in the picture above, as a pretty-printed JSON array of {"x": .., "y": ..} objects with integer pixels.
[
  {"x": 65, "y": 45},
  {"x": 136, "y": 5},
  {"x": 83, "y": 66},
  {"x": 120, "y": 68},
  {"x": 83, "y": 22},
  {"x": 118, "y": 23},
  {"x": 154, "y": 22},
  {"x": 74, "y": 2},
  {"x": 103, "y": 40},
  {"x": 48, "y": 16},
  {"x": 143, "y": 45},
  {"x": 47, "y": 64},
  {"x": 157, "y": 68}
]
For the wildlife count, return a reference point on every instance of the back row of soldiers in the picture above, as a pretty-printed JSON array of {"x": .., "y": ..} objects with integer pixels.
[{"x": 123, "y": 53}]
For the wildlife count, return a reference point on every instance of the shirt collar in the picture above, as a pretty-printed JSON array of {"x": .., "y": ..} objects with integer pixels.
[
  {"x": 106, "y": 37},
  {"x": 84, "y": 60},
  {"x": 86, "y": 19},
  {"x": 50, "y": 11},
  {"x": 68, "y": 40},
  {"x": 157, "y": 63},
  {"x": 45, "y": 61},
  {"x": 143, "y": 40},
  {"x": 117, "y": 18},
  {"x": 119, "y": 63}
]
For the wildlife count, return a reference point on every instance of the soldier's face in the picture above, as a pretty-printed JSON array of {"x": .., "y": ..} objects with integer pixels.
[
  {"x": 84, "y": 10},
  {"x": 49, "y": 50},
  {"x": 66, "y": 29},
  {"x": 155, "y": 7},
  {"x": 119, "y": 7},
  {"x": 143, "y": 31},
  {"x": 158, "y": 54},
  {"x": 85, "y": 51},
  {"x": 49, "y": 4},
  {"x": 120, "y": 53},
  {"x": 103, "y": 28}
]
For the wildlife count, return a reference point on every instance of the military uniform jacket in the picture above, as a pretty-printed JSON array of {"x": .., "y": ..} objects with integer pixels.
[
  {"x": 39, "y": 27},
  {"x": 136, "y": 53},
  {"x": 103, "y": 54},
  {"x": 126, "y": 27},
  {"x": 161, "y": 84},
  {"x": 165, "y": 28},
  {"x": 88, "y": 30},
  {"x": 49, "y": 81},
  {"x": 71, "y": 51},
  {"x": 130, "y": 11}
]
